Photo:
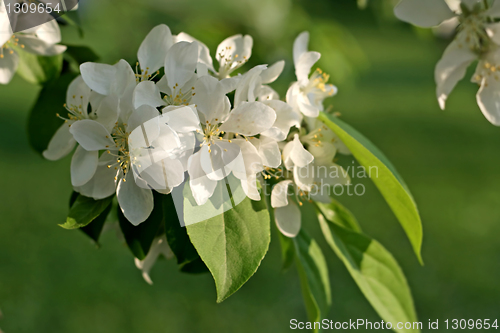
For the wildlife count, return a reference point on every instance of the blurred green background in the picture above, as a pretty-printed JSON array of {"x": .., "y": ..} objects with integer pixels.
[{"x": 54, "y": 280}]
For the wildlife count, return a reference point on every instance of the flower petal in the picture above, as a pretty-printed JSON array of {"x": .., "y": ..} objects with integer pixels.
[
  {"x": 107, "y": 79},
  {"x": 294, "y": 153},
  {"x": 201, "y": 186},
  {"x": 78, "y": 94},
  {"x": 182, "y": 119},
  {"x": 135, "y": 202},
  {"x": 140, "y": 116},
  {"x": 493, "y": 31},
  {"x": 61, "y": 144},
  {"x": 233, "y": 52},
  {"x": 37, "y": 46},
  {"x": 272, "y": 73},
  {"x": 488, "y": 99},
  {"x": 8, "y": 66},
  {"x": 180, "y": 64},
  {"x": 423, "y": 13},
  {"x": 269, "y": 151},
  {"x": 154, "y": 48},
  {"x": 92, "y": 135},
  {"x": 452, "y": 68},
  {"x": 250, "y": 119},
  {"x": 279, "y": 194},
  {"x": 288, "y": 219},
  {"x": 300, "y": 46},
  {"x": 304, "y": 65},
  {"x": 102, "y": 184},
  {"x": 83, "y": 166},
  {"x": 203, "y": 51},
  {"x": 147, "y": 93},
  {"x": 210, "y": 99}
]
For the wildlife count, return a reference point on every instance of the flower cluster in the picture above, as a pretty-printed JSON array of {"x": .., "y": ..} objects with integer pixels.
[
  {"x": 41, "y": 40},
  {"x": 477, "y": 38},
  {"x": 170, "y": 120}
]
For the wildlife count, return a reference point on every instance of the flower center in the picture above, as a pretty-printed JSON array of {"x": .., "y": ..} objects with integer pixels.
[
  {"x": 123, "y": 161},
  {"x": 487, "y": 71},
  {"x": 144, "y": 74},
  {"x": 210, "y": 134},
  {"x": 7, "y": 47},
  {"x": 228, "y": 62},
  {"x": 76, "y": 111},
  {"x": 179, "y": 97},
  {"x": 318, "y": 81},
  {"x": 473, "y": 26}
]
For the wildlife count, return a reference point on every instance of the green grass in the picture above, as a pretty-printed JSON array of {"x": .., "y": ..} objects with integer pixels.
[{"x": 54, "y": 280}]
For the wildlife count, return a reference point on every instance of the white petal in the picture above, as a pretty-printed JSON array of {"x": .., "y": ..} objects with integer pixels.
[
  {"x": 229, "y": 84},
  {"x": 269, "y": 151},
  {"x": 210, "y": 99},
  {"x": 201, "y": 186},
  {"x": 248, "y": 84},
  {"x": 8, "y": 66},
  {"x": 83, "y": 166},
  {"x": 286, "y": 117},
  {"x": 147, "y": 93},
  {"x": 38, "y": 46},
  {"x": 423, "y": 13},
  {"x": 272, "y": 73},
  {"x": 180, "y": 63},
  {"x": 107, "y": 79},
  {"x": 233, "y": 52},
  {"x": 488, "y": 99},
  {"x": 451, "y": 69},
  {"x": 135, "y": 202},
  {"x": 107, "y": 112},
  {"x": 279, "y": 195},
  {"x": 304, "y": 65},
  {"x": 252, "y": 161},
  {"x": 304, "y": 177},
  {"x": 154, "y": 48},
  {"x": 203, "y": 51},
  {"x": 102, "y": 184},
  {"x": 49, "y": 32},
  {"x": 288, "y": 219},
  {"x": 78, "y": 94},
  {"x": 5, "y": 28},
  {"x": 92, "y": 135},
  {"x": 163, "y": 175},
  {"x": 182, "y": 119},
  {"x": 250, "y": 187},
  {"x": 294, "y": 153},
  {"x": 140, "y": 116},
  {"x": 61, "y": 144},
  {"x": 250, "y": 119},
  {"x": 300, "y": 46}
]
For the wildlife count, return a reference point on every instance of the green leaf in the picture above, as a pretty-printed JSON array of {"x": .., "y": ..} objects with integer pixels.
[
  {"x": 231, "y": 244},
  {"x": 178, "y": 239},
  {"x": 39, "y": 69},
  {"x": 196, "y": 266},
  {"x": 85, "y": 210},
  {"x": 390, "y": 184},
  {"x": 139, "y": 238},
  {"x": 337, "y": 213},
  {"x": 314, "y": 278},
  {"x": 77, "y": 55},
  {"x": 375, "y": 271},
  {"x": 42, "y": 121}
]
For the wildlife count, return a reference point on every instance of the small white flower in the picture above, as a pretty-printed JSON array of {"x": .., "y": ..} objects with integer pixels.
[
  {"x": 477, "y": 38},
  {"x": 308, "y": 93},
  {"x": 222, "y": 135},
  {"x": 103, "y": 110},
  {"x": 41, "y": 40}
]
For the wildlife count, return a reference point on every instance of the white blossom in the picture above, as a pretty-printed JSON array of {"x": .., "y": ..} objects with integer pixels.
[{"x": 41, "y": 40}]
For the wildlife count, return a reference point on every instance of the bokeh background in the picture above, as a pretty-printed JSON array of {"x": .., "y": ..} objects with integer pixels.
[{"x": 55, "y": 280}]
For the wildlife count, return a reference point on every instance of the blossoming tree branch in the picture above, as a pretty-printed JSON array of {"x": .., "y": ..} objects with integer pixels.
[{"x": 176, "y": 152}]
